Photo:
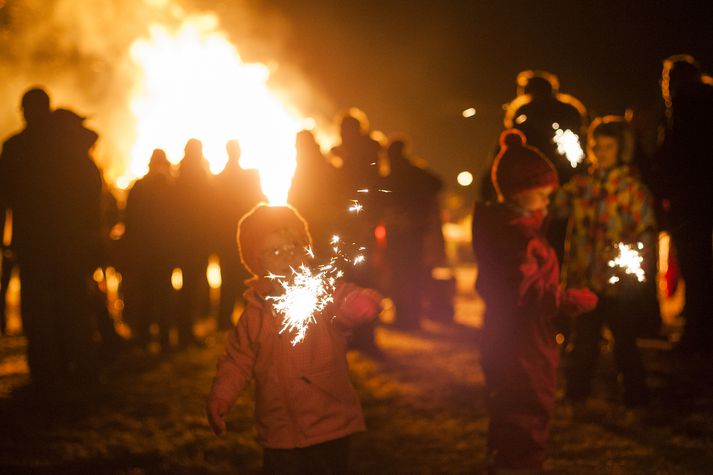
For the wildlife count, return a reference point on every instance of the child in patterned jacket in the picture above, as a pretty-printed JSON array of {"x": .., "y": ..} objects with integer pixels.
[{"x": 606, "y": 207}]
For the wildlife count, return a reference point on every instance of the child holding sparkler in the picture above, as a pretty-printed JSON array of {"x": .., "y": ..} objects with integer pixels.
[
  {"x": 607, "y": 207},
  {"x": 518, "y": 277},
  {"x": 306, "y": 406}
]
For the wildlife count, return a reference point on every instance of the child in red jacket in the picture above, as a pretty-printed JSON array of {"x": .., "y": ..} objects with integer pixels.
[
  {"x": 518, "y": 277},
  {"x": 305, "y": 406}
]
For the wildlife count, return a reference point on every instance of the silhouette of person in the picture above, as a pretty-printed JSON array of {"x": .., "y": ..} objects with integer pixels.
[
  {"x": 315, "y": 194},
  {"x": 410, "y": 209},
  {"x": 148, "y": 237},
  {"x": 53, "y": 187},
  {"x": 9, "y": 262},
  {"x": 359, "y": 154},
  {"x": 686, "y": 179},
  {"x": 194, "y": 200},
  {"x": 537, "y": 111},
  {"x": 238, "y": 191}
]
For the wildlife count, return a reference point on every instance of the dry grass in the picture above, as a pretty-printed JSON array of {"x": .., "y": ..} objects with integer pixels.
[{"x": 422, "y": 399}]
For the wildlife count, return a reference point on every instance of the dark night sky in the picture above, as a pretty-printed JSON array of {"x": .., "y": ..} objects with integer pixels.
[{"x": 413, "y": 66}]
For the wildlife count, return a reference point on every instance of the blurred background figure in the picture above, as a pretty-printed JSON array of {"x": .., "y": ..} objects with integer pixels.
[
  {"x": 238, "y": 191},
  {"x": 359, "y": 155},
  {"x": 539, "y": 109},
  {"x": 53, "y": 187},
  {"x": 411, "y": 214},
  {"x": 194, "y": 211},
  {"x": 315, "y": 194},
  {"x": 685, "y": 177},
  {"x": 148, "y": 242}
]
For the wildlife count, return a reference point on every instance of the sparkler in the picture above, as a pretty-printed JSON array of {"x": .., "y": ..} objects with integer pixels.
[
  {"x": 629, "y": 261},
  {"x": 356, "y": 207},
  {"x": 305, "y": 296},
  {"x": 307, "y": 292},
  {"x": 568, "y": 145}
]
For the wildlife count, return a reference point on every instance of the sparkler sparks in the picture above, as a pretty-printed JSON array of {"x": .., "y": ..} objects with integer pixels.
[
  {"x": 568, "y": 145},
  {"x": 356, "y": 207},
  {"x": 629, "y": 261},
  {"x": 308, "y": 292},
  {"x": 305, "y": 296}
]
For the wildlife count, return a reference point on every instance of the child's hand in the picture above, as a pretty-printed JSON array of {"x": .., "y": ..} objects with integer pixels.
[
  {"x": 363, "y": 302},
  {"x": 578, "y": 301},
  {"x": 217, "y": 409}
]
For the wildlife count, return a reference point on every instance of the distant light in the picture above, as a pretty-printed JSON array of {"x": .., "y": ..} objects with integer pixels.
[
  {"x": 470, "y": 112},
  {"x": 177, "y": 279},
  {"x": 213, "y": 274},
  {"x": 465, "y": 178},
  {"x": 555, "y": 125},
  {"x": 520, "y": 119}
]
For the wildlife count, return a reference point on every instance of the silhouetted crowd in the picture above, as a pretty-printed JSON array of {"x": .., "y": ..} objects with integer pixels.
[
  {"x": 640, "y": 173},
  {"x": 176, "y": 218}
]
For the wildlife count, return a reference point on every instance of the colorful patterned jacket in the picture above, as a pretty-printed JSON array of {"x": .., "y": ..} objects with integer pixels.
[{"x": 605, "y": 208}]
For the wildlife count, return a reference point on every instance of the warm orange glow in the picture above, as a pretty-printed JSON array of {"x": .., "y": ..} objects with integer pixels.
[
  {"x": 7, "y": 230},
  {"x": 177, "y": 279},
  {"x": 194, "y": 85},
  {"x": 113, "y": 280},
  {"x": 213, "y": 273}
]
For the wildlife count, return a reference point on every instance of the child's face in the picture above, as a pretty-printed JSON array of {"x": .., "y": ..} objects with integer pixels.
[
  {"x": 606, "y": 150},
  {"x": 280, "y": 251},
  {"x": 534, "y": 199}
]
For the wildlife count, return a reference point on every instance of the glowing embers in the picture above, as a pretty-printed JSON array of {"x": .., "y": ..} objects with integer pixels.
[{"x": 628, "y": 261}]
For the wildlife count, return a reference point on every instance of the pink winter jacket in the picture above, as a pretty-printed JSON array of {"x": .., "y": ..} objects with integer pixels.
[{"x": 303, "y": 394}]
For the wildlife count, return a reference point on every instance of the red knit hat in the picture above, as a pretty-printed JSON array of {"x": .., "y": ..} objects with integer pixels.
[
  {"x": 519, "y": 167},
  {"x": 261, "y": 221}
]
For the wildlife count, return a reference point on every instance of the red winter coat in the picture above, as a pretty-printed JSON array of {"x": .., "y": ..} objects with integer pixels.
[
  {"x": 518, "y": 279},
  {"x": 303, "y": 393}
]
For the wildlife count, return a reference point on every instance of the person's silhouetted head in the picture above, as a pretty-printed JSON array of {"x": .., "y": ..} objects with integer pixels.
[
  {"x": 679, "y": 72},
  {"x": 193, "y": 159},
  {"x": 159, "y": 162},
  {"x": 396, "y": 149},
  {"x": 353, "y": 125},
  {"x": 232, "y": 147},
  {"x": 306, "y": 144},
  {"x": 35, "y": 105},
  {"x": 538, "y": 84}
]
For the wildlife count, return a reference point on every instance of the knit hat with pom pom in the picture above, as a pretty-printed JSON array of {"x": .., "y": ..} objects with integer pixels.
[
  {"x": 261, "y": 221},
  {"x": 520, "y": 167}
]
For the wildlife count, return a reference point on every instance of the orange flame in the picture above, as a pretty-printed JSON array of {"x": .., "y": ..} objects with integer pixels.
[{"x": 194, "y": 84}]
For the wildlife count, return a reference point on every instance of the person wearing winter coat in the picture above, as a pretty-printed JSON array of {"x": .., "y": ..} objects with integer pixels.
[
  {"x": 306, "y": 406},
  {"x": 607, "y": 207},
  {"x": 149, "y": 253},
  {"x": 518, "y": 278},
  {"x": 53, "y": 187}
]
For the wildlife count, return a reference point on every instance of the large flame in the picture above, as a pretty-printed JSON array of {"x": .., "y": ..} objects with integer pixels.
[{"x": 195, "y": 85}]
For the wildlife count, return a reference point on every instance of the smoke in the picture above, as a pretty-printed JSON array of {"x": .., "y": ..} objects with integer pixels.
[{"x": 79, "y": 51}]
